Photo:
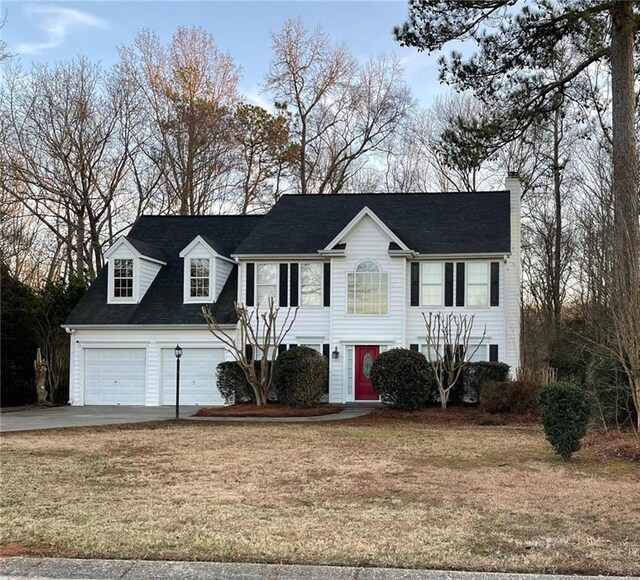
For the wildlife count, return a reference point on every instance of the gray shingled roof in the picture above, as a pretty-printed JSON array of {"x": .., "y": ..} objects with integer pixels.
[
  {"x": 163, "y": 302},
  {"x": 428, "y": 223},
  {"x": 437, "y": 223}
]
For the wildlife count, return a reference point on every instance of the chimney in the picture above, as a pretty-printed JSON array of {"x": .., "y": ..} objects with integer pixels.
[{"x": 513, "y": 276}]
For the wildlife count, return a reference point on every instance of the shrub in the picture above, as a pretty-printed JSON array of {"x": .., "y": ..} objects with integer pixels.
[
  {"x": 403, "y": 379},
  {"x": 233, "y": 385},
  {"x": 565, "y": 416},
  {"x": 301, "y": 377},
  {"x": 475, "y": 374},
  {"x": 510, "y": 397}
]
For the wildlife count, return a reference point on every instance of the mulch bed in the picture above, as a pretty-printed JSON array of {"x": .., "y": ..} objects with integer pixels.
[
  {"x": 270, "y": 410},
  {"x": 614, "y": 444},
  {"x": 452, "y": 417}
]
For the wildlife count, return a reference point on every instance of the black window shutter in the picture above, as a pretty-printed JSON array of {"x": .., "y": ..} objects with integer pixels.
[
  {"x": 248, "y": 351},
  {"x": 460, "y": 284},
  {"x": 284, "y": 286},
  {"x": 326, "y": 350},
  {"x": 448, "y": 284},
  {"x": 414, "y": 347},
  {"x": 495, "y": 284},
  {"x": 415, "y": 284},
  {"x": 251, "y": 280},
  {"x": 293, "y": 290},
  {"x": 493, "y": 352},
  {"x": 282, "y": 348},
  {"x": 327, "y": 284}
]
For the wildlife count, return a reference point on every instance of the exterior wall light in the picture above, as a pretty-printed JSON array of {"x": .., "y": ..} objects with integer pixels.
[{"x": 335, "y": 353}]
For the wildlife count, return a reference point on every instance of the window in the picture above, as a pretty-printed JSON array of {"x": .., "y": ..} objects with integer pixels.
[
  {"x": 368, "y": 290},
  {"x": 474, "y": 355},
  {"x": 477, "y": 284},
  {"x": 266, "y": 283},
  {"x": 431, "y": 284},
  {"x": 429, "y": 352},
  {"x": 310, "y": 284},
  {"x": 199, "y": 278},
  {"x": 123, "y": 278}
]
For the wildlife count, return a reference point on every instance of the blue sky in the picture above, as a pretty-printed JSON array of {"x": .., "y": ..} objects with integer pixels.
[{"x": 50, "y": 31}]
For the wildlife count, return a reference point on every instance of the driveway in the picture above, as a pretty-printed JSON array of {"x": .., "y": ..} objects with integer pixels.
[{"x": 57, "y": 417}]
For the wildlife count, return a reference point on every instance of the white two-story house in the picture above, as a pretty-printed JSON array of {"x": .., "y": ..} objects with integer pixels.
[{"x": 361, "y": 269}]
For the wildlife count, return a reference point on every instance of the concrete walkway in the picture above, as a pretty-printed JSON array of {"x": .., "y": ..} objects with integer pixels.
[
  {"x": 60, "y": 417},
  {"x": 141, "y": 570}
]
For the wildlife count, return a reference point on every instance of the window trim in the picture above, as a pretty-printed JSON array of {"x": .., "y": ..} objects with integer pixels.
[
  {"x": 132, "y": 278},
  {"x": 354, "y": 272},
  {"x": 198, "y": 253},
  {"x": 111, "y": 297},
  {"x": 256, "y": 300},
  {"x": 320, "y": 266},
  {"x": 422, "y": 284},
  {"x": 487, "y": 284}
]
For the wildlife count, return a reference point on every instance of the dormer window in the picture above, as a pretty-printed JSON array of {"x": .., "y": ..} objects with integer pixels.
[
  {"x": 200, "y": 281},
  {"x": 123, "y": 278}
]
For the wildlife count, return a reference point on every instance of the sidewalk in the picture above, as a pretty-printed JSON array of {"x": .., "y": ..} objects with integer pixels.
[{"x": 44, "y": 568}]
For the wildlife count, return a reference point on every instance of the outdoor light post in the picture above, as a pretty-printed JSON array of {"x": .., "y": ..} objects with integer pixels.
[{"x": 178, "y": 353}]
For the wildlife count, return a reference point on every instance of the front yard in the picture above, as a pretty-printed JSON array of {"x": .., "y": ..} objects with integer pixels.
[{"x": 372, "y": 491}]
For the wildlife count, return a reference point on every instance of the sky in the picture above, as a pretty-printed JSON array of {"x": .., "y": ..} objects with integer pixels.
[{"x": 49, "y": 31}]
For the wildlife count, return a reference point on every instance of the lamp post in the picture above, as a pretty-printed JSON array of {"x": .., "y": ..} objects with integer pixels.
[{"x": 178, "y": 352}]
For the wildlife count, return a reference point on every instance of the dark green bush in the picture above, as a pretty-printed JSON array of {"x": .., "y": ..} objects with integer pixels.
[
  {"x": 565, "y": 416},
  {"x": 475, "y": 374},
  {"x": 233, "y": 385},
  {"x": 510, "y": 397},
  {"x": 301, "y": 377},
  {"x": 403, "y": 378}
]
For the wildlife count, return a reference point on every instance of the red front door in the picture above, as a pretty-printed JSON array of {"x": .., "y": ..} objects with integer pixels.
[{"x": 365, "y": 355}]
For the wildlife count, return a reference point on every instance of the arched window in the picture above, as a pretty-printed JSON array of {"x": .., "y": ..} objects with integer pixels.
[{"x": 368, "y": 289}]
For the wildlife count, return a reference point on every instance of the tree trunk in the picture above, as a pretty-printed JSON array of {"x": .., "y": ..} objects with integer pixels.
[
  {"x": 557, "y": 250},
  {"x": 626, "y": 267}
]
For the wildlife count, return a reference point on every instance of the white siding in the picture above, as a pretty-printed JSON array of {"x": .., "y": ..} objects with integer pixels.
[
  {"x": 490, "y": 317},
  {"x": 513, "y": 280},
  {"x": 147, "y": 273},
  {"x": 365, "y": 242},
  {"x": 142, "y": 338},
  {"x": 222, "y": 271}
]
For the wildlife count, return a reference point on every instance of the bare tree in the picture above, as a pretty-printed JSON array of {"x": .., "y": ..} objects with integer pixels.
[
  {"x": 342, "y": 110},
  {"x": 65, "y": 155},
  {"x": 449, "y": 343},
  {"x": 263, "y": 333},
  {"x": 189, "y": 92}
]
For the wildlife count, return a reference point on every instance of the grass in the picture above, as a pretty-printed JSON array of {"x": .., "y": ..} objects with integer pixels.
[{"x": 376, "y": 491}]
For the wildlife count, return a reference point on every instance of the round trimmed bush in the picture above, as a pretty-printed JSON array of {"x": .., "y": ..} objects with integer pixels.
[
  {"x": 403, "y": 378},
  {"x": 233, "y": 384},
  {"x": 301, "y": 376},
  {"x": 565, "y": 416}
]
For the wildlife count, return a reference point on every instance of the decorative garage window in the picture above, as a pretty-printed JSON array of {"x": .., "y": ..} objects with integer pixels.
[
  {"x": 477, "y": 283},
  {"x": 266, "y": 283},
  {"x": 368, "y": 290},
  {"x": 310, "y": 284},
  {"x": 432, "y": 284},
  {"x": 199, "y": 280},
  {"x": 123, "y": 277}
]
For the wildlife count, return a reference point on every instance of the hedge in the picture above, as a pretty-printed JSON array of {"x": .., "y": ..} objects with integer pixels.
[
  {"x": 510, "y": 397},
  {"x": 301, "y": 377}
]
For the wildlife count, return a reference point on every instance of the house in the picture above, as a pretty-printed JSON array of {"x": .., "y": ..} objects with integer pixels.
[{"x": 361, "y": 268}]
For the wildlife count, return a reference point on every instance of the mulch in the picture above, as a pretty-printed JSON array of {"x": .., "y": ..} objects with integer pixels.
[
  {"x": 451, "y": 417},
  {"x": 614, "y": 444},
  {"x": 269, "y": 410}
]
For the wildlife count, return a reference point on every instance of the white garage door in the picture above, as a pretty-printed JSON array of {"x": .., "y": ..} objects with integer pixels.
[
  {"x": 114, "y": 376},
  {"x": 197, "y": 376}
]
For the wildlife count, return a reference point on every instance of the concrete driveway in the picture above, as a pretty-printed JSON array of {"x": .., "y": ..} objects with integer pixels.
[{"x": 57, "y": 417}]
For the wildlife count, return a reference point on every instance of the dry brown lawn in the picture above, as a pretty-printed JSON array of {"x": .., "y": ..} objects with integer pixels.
[{"x": 382, "y": 492}]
